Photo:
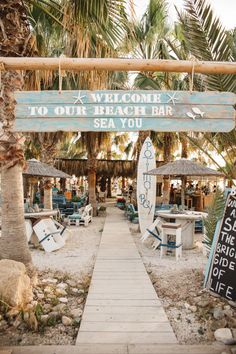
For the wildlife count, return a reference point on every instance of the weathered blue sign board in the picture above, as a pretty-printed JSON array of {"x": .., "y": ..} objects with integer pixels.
[{"x": 47, "y": 111}]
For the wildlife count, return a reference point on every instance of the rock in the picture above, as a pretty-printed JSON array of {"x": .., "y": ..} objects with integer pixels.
[
  {"x": 74, "y": 290},
  {"x": 81, "y": 291},
  {"x": 48, "y": 290},
  {"x": 186, "y": 305},
  {"x": 62, "y": 285},
  {"x": 16, "y": 323},
  {"x": 61, "y": 308},
  {"x": 47, "y": 308},
  {"x": 64, "y": 300},
  {"x": 228, "y": 313},
  {"x": 224, "y": 335},
  {"x": 218, "y": 324},
  {"x": 76, "y": 312},
  {"x": 71, "y": 283},
  {"x": 44, "y": 319},
  {"x": 66, "y": 321},
  {"x": 54, "y": 315},
  {"x": 49, "y": 281},
  {"x": 40, "y": 296},
  {"x": 227, "y": 307},
  {"x": 26, "y": 316},
  {"x": 193, "y": 308},
  {"x": 15, "y": 285},
  {"x": 60, "y": 292},
  {"x": 203, "y": 303},
  {"x": 80, "y": 300},
  {"x": 218, "y": 313},
  {"x": 3, "y": 325},
  {"x": 233, "y": 330}
]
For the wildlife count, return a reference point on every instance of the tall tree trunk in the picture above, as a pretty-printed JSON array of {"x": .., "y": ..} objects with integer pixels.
[
  {"x": 109, "y": 157},
  {"x": 14, "y": 42},
  {"x": 92, "y": 168},
  {"x": 142, "y": 135},
  {"x": 13, "y": 243},
  {"x": 48, "y": 194},
  {"x": 184, "y": 146}
]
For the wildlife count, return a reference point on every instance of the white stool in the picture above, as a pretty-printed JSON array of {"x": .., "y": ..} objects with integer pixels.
[{"x": 175, "y": 230}]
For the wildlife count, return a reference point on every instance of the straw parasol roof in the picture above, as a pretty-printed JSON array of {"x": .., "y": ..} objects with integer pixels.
[
  {"x": 40, "y": 169},
  {"x": 184, "y": 167},
  {"x": 108, "y": 168}
]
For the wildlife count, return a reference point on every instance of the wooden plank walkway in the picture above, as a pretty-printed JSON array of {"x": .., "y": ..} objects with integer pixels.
[{"x": 122, "y": 306}]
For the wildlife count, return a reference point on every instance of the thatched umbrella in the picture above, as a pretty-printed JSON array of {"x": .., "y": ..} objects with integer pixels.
[
  {"x": 40, "y": 169},
  {"x": 182, "y": 168},
  {"x": 36, "y": 169}
]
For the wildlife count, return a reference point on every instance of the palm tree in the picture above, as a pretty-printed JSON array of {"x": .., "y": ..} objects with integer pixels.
[
  {"x": 206, "y": 39},
  {"x": 16, "y": 40}
]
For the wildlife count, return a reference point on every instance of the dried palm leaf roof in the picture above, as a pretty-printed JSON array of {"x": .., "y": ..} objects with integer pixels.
[
  {"x": 37, "y": 168},
  {"x": 108, "y": 168},
  {"x": 184, "y": 167}
]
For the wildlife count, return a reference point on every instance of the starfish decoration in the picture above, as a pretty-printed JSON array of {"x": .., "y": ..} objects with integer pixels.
[
  {"x": 172, "y": 98},
  {"x": 78, "y": 99}
]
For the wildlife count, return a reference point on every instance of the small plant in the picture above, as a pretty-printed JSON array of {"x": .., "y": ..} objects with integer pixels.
[
  {"x": 38, "y": 311},
  {"x": 215, "y": 213},
  {"x": 54, "y": 301}
]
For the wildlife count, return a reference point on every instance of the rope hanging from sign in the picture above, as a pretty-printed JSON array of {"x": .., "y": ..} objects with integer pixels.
[
  {"x": 192, "y": 77},
  {"x": 2, "y": 68},
  {"x": 61, "y": 73}
]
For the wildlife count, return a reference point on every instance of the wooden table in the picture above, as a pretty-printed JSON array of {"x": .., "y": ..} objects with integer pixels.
[{"x": 187, "y": 220}]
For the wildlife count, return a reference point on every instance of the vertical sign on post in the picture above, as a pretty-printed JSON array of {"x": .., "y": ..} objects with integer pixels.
[
  {"x": 221, "y": 278},
  {"x": 146, "y": 185}
]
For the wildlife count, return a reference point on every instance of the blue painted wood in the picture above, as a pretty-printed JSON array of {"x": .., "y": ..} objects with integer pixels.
[
  {"x": 118, "y": 110},
  {"x": 124, "y": 111},
  {"x": 123, "y": 124},
  {"x": 140, "y": 96}
]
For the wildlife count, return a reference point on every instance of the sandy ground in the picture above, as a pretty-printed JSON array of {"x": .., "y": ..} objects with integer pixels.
[
  {"x": 193, "y": 312},
  {"x": 79, "y": 253}
]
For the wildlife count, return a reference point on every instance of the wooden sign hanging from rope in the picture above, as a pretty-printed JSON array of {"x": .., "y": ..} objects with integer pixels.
[{"x": 166, "y": 111}]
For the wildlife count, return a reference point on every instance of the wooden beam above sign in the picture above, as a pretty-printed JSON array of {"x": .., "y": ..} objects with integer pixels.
[
  {"x": 117, "y": 64},
  {"x": 46, "y": 111}
]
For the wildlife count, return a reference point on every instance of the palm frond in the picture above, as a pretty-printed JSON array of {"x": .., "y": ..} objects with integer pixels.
[{"x": 208, "y": 40}]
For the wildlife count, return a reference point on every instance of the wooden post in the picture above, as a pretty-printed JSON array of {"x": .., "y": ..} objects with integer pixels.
[
  {"x": 82, "y": 64},
  {"x": 183, "y": 187}
]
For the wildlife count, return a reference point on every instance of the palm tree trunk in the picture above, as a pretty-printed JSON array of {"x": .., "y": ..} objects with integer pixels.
[
  {"x": 109, "y": 157},
  {"x": 48, "y": 194},
  {"x": 184, "y": 146},
  {"x": 142, "y": 135},
  {"x": 92, "y": 168},
  {"x": 15, "y": 42},
  {"x": 13, "y": 243}
]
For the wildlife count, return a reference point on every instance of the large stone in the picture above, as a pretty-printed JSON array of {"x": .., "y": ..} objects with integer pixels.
[
  {"x": 76, "y": 312},
  {"x": 15, "y": 285},
  {"x": 66, "y": 321},
  {"x": 224, "y": 335}
]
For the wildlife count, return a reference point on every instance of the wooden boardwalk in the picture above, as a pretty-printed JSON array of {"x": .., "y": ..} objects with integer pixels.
[{"x": 122, "y": 306}]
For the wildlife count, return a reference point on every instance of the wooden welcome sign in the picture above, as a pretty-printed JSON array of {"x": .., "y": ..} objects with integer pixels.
[
  {"x": 48, "y": 111},
  {"x": 221, "y": 277}
]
